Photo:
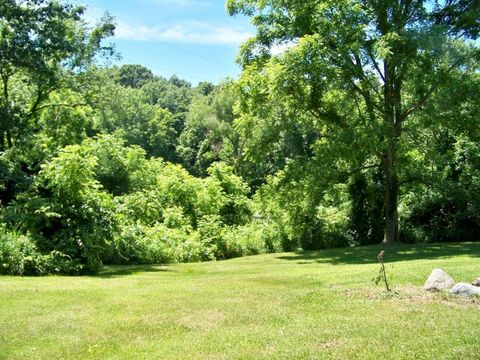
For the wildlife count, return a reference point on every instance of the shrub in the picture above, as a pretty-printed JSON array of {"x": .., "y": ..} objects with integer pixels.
[
  {"x": 12, "y": 178},
  {"x": 116, "y": 163},
  {"x": 67, "y": 209},
  {"x": 142, "y": 206},
  {"x": 328, "y": 228},
  {"x": 448, "y": 209},
  {"x": 140, "y": 244},
  {"x": 19, "y": 256},
  {"x": 246, "y": 240},
  {"x": 210, "y": 229},
  {"x": 177, "y": 244},
  {"x": 366, "y": 212},
  {"x": 236, "y": 207}
]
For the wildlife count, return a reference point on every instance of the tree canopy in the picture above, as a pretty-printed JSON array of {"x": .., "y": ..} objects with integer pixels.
[
  {"x": 365, "y": 66},
  {"x": 42, "y": 43}
]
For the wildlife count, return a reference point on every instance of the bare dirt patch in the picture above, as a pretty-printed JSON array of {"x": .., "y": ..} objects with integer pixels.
[{"x": 409, "y": 293}]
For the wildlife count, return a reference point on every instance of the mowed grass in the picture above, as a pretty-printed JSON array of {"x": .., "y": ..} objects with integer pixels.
[{"x": 314, "y": 305}]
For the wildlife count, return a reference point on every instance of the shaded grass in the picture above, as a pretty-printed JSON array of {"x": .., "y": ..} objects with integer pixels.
[
  {"x": 397, "y": 252},
  {"x": 311, "y": 305}
]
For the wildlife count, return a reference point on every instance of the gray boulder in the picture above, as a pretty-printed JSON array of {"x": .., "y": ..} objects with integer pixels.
[
  {"x": 476, "y": 282},
  {"x": 438, "y": 280},
  {"x": 465, "y": 290}
]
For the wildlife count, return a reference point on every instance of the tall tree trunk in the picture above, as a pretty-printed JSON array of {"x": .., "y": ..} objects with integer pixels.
[
  {"x": 391, "y": 195},
  {"x": 9, "y": 138},
  {"x": 393, "y": 124},
  {"x": 6, "y": 113}
]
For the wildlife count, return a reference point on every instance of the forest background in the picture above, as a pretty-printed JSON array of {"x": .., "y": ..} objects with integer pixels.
[{"x": 363, "y": 130}]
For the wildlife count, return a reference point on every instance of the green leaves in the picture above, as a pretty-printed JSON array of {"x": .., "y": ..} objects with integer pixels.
[
  {"x": 384, "y": 47},
  {"x": 71, "y": 174},
  {"x": 209, "y": 134},
  {"x": 358, "y": 73},
  {"x": 42, "y": 44}
]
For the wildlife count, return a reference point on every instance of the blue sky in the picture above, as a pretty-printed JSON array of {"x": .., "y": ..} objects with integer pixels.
[{"x": 194, "y": 39}]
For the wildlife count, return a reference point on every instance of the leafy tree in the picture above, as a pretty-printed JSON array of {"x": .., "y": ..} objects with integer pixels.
[
  {"x": 69, "y": 123},
  {"x": 180, "y": 83},
  {"x": 388, "y": 58},
  {"x": 42, "y": 42},
  {"x": 134, "y": 76},
  {"x": 172, "y": 96},
  {"x": 127, "y": 112},
  {"x": 205, "y": 88},
  {"x": 67, "y": 209},
  {"x": 209, "y": 133}
]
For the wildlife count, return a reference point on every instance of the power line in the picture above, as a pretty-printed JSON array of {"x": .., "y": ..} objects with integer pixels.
[
  {"x": 156, "y": 67},
  {"x": 152, "y": 66},
  {"x": 195, "y": 54}
]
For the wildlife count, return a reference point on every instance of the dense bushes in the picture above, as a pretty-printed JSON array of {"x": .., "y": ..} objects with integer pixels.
[
  {"x": 447, "y": 210},
  {"x": 96, "y": 163},
  {"x": 66, "y": 209},
  {"x": 366, "y": 223},
  {"x": 103, "y": 202},
  {"x": 19, "y": 255},
  {"x": 171, "y": 216}
]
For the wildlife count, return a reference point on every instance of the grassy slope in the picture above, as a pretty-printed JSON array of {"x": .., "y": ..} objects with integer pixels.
[{"x": 283, "y": 306}]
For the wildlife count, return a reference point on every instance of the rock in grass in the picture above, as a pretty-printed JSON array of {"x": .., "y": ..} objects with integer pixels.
[
  {"x": 476, "y": 282},
  {"x": 438, "y": 280},
  {"x": 465, "y": 290}
]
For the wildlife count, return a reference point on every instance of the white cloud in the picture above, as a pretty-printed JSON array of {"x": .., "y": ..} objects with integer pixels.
[
  {"x": 93, "y": 14},
  {"x": 187, "y": 32},
  {"x": 279, "y": 49},
  {"x": 196, "y": 32}
]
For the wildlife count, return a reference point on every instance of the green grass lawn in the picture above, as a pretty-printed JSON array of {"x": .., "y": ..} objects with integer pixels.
[{"x": 283, "y": 306}]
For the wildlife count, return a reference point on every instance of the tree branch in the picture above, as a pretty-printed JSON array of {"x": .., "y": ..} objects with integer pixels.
[
  {"x": 42, "y": 94},
  {"x": 366, "y": 167},
  {"x": 375, "y": 64},
  {"x": 39, "y": 108},
  {"x": 429, "y": 93}
]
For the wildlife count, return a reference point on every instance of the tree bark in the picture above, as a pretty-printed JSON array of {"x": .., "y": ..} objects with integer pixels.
[
  {"x": 391, "y": 195},
  {"x": 7, "y": 114},
  {"x": 2, "y": 140},
  {"x": 9, "y": 138},
  {"x": 393, "y": 124}
]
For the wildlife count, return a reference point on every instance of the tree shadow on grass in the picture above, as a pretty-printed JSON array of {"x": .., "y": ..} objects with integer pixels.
[
  {"x": 393, "y": 253},
  {"x": 113, "y": 271}
]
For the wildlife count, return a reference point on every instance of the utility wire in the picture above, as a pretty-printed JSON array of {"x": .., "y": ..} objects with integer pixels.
[
  {"x": 155, "y": 67},
  {"x": 195, "y": 54}
]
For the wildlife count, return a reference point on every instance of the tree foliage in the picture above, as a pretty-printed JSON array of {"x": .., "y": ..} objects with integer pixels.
[
  {"x": 41, "y": 44},
  {"x": 353, "y": 121},
  {"x": 385, "y": 59}
]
